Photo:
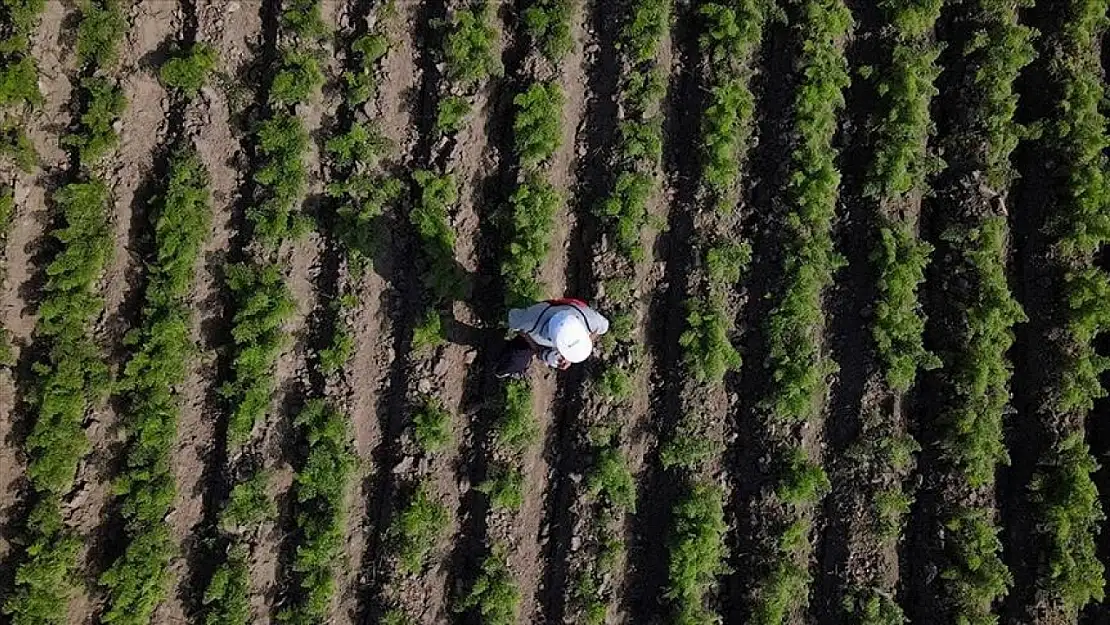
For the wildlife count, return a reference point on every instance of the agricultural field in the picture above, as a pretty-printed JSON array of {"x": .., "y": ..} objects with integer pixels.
[{"x": 256, "y": 258}]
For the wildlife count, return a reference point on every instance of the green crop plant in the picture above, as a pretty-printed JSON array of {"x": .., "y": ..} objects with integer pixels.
[
  {"x": 494, "y": 595},
  {"x": 137, "y": 580},
  {"x": 249, "y": 504},
  {"x": 105, "y": 102},
  {"x": 530, "y": 220},
  {"x": 640, "y": 35},
  {"x": 68, "y": 379},
  {"x": 298, "y": 77},
  {"x": 688, "y": 449},
  {"x": 19, "y": 83},
  {"x": 361, "y": 81},
  {"x": 537, "y": 123},
  {"x": 517, "y": 428},
  {"x": 339, "y": 350},
  {"x": 263, "y": 304},
  {"x": 320, "y": 485},
  {"x": 304, "y": 19},
  {"x": 431, "y": 425},
  {"x": 438, "y": 194},
  {"x": 801, "y": 482},
  {"x": 979, "y": 373},
  {"x": 281, "y": 175},
  {"x": 188, "y": 69},
  {"x": 471, "y": 46},
  {"x": 873, "y": 606},
  {"x": 708, "y": 350},
  {"x": 626, "y": 210},
  {"x": 417, "y": 529},
  {"x": 428, "y": 332},
  {"x": 504, "y": 487},
  {"x": 697, "y": 553},
  {"x": 899, "y": 324},
  {"x": 548, "y": 24},
  {"x": 976, "y": 576},
  {"x": 16, "y": 146},
  {"x": 99, "y": 32},
  {"x": 611, "y": 479},
  {"x": 451, "y": 114},
  {"x": 226, "y": 600},
  {"x": 361, "y": 144}
]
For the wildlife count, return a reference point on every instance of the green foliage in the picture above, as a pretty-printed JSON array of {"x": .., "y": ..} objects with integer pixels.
[
  {"x": 428, "y": 334},
  {"x": 104, "y": 103},
  {"x": 1068, "y": 504},
  {"x": 611, "y": 479},
  {"x": 451, "y": 114},
  {"x": 517, "y": 428},
  {"x": 548, "y": 24},
  {"x": 248, "y": 505},
  {"x": 227, "y": 598},
  {"x": 504, "y": 487},
  {"x": 361, "y": 81},
  {"x": 626, "y": 211},
  {"x": 71, "y": 375},
  {"x": 364, "y": 198},
  {"x": 727, "y": 127},
  {"x": 709, "y": 353},
  {"x": 320, "y": 485},
  {"x": 697, "y": 553},
  {"x": 979, "y": 371},
  {"x": 297, "y": 79},
  {"x": 431, "y": 425},
  {"x": 537, "y": 123},
  {"x": 725, "y": 264},
  {"x": 615, "y": 383},
  {"x": 281, "y": 175},
  {"x": 262, "y": 304},
  {"x": 362, "y": 144},
  {"x": 19, "y": 82},
  {"x": 44, "y": 581},
  {"x": 996, "y": 54},
  {"x": 99, "y": 32},
  {"x": 891, "y": 507},
  {"x": 21, "y": 17},
  {"x": 899, "y": 323},
  {"x": 471, "y": 46},
  {"x": 303, "y": 18},
  {"x": 494, "y": 595},
  {"x": 438, "y": 194},
  {"x": 136, "y": 582},
  {"x": 802, "y": 481},
  {"x": 975, "y": 577},
  {"x": 188, "y": 70},
  {"x": 338, "y": 353},
  {"x": 418, "y": 528},
  {"x": 872, "y": 606},
  {"x": 529, "y": 223},
  {"x": 16, "y": 146},
  {"x": 688, "y": 449},
  {"x": 641, "y": 34}
]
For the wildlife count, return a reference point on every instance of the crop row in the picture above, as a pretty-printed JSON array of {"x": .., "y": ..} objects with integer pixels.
[
  {"x": 71, "y": 376},
  {"x": 262, "y": 304},
  {"x": 136, "y": 582},
  {"x": 883, "y": 451},
  {"x": 975, "y": 373},
  {"x": 799, "y": 368},
  {"x": 1066, "y": 502},
  {"x": 526, "y": 225},
  {"x": 609, "y": 483},
  {"x": 360, "y": 193},
  {"x": 19, "y": 80},
  {"x": 731, "y": 33}
]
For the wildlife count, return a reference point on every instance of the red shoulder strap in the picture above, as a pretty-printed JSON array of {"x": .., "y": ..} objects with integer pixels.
[{"x": 568, "y": 301}]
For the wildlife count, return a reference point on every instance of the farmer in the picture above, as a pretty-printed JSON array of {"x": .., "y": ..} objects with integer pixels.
[{"x": 560, "y": 331}]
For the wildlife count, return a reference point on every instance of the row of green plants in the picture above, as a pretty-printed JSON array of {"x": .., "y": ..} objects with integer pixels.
[
  {"x": 19, "y": 80},
  {"x": 137, "y": 581},
  {"x": 799, "y": 367},
  {"x": 731, "y": 35},
  {"x": 262, "y": 305},
  {"x": 624, "y": 215},
  {"x": 526, "y": 224},
  {"x": 71, "y": 377},
  {"x": 883, "y": 453},
  {"x": 975, "y": 372},
  {"x": 1066, "y": 501}
]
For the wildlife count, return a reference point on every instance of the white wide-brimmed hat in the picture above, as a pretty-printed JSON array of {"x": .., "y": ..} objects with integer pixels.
[{"x": 570, "y": 336}]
